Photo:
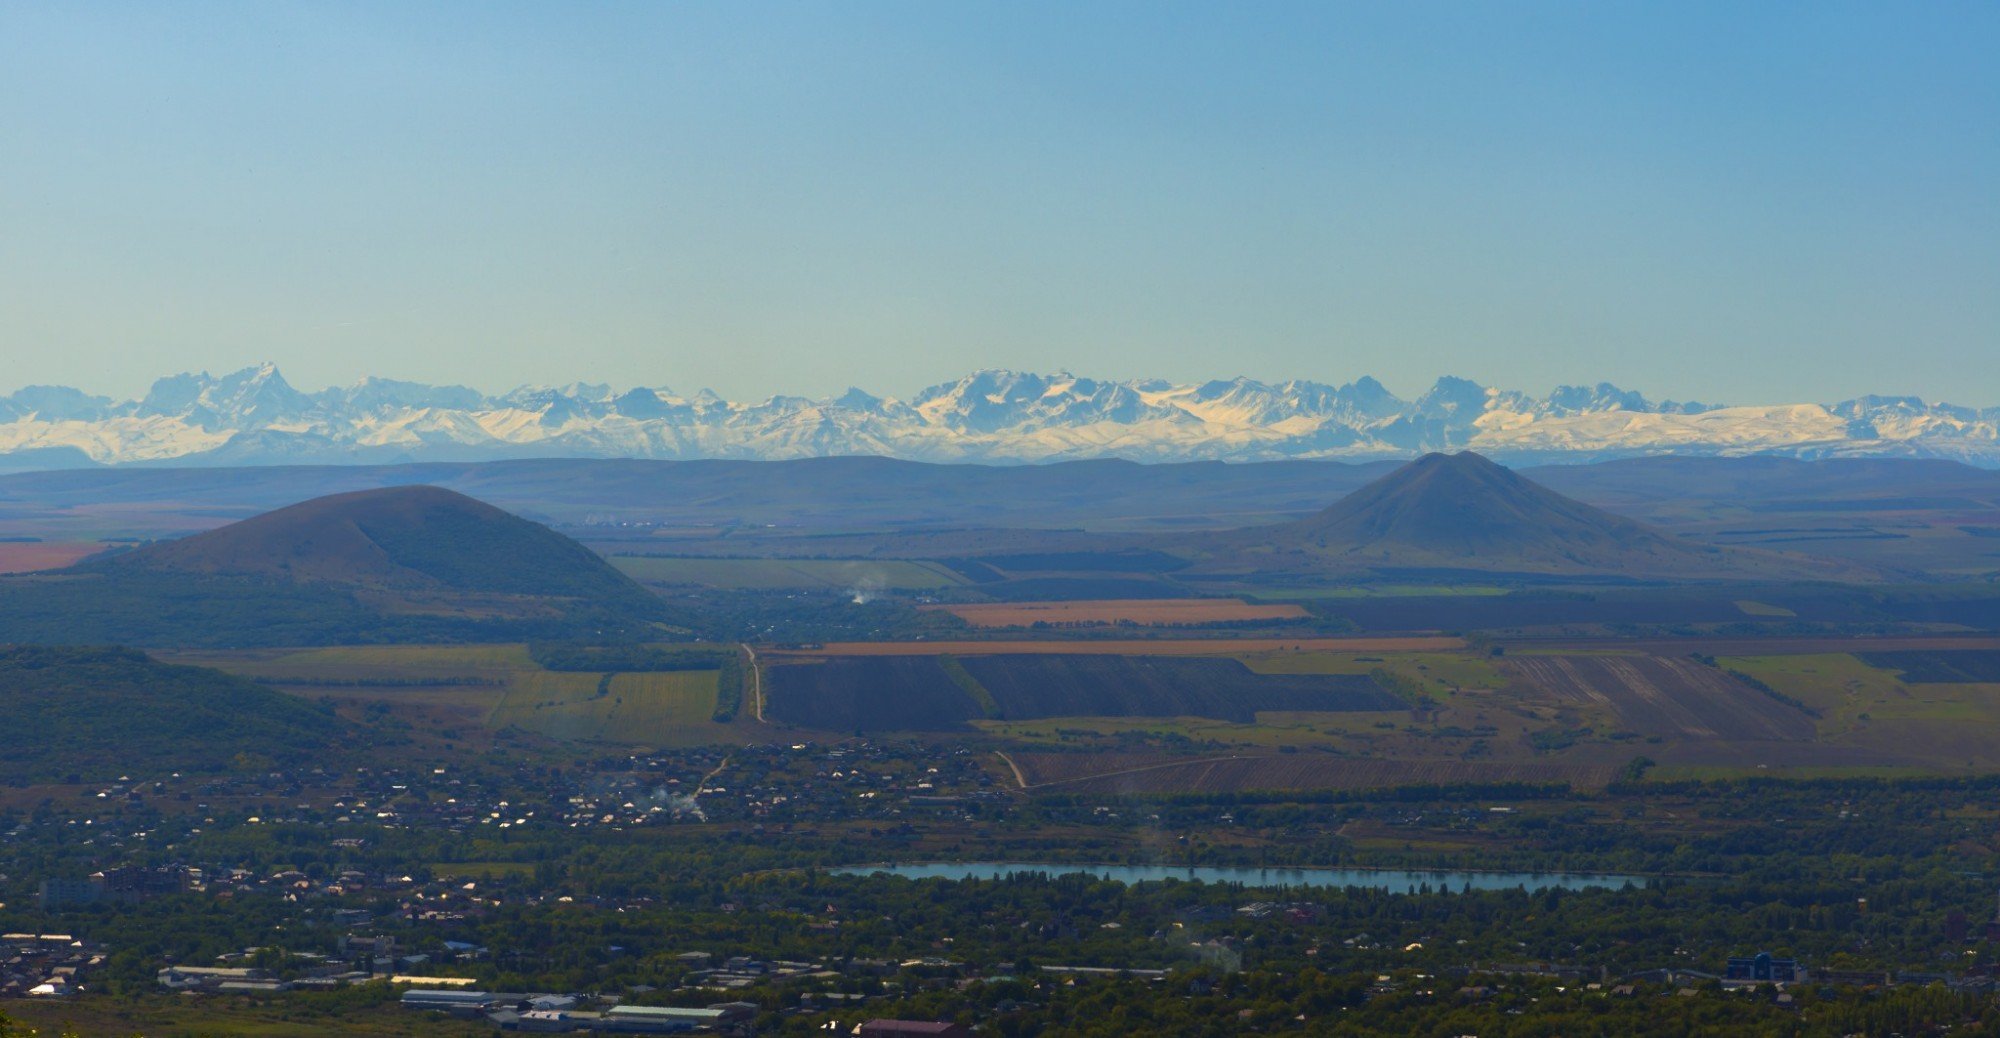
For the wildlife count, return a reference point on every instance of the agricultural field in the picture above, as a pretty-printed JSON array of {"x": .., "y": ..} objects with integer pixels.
[
  {"x": 1128, "y": 647},
  {"x": 1306, "y": 594},
  {"x": 1435, "y": 673},
  {"x": 1794, "y": 704},
  {"x": 494, "y": 687},
  {"x": 361, "y": 664},
  {"x": 1674, "y": 697},
  {"x": 1869, "y": 709},
  {"x": 1271, "y": 732},
  {"x": 1838, "y": 685},
  {"x": 863, "y": 575},
  {"x": 1027, "y": 687},
  {"x": 665, "y": 709},
  {"x": 909, "y": 693},
  {"x": 986, "y": 568},
  {"x": 1728, "y": 645},
  {"x": 1553, "y": 612},
  {"x": 1160, "y": 612},
  {"x": 33, "y": 556},
  {"x": 914, "y": 693},
  {"x": 1974, "y": 667},
  {"x": 1101, "y": 773}
]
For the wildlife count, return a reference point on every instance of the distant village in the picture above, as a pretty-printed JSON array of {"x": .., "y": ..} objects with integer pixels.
[{"x": 399, "y": 928}]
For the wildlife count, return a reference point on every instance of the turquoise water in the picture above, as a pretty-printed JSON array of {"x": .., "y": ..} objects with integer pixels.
[{"x": 1395, "y": 881}]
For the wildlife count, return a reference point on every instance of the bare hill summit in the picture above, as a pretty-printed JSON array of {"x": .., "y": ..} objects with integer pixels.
[
  {"x": 416, "y": 538},
  {"x": 402, "y": 564},
  {"x": 1462, "y": 512}
]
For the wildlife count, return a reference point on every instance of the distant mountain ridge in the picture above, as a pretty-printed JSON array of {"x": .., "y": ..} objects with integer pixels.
[{"x": 254, "y": 417}]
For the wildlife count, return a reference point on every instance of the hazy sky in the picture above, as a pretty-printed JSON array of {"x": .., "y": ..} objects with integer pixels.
[{"x": 1738, "y": 201}]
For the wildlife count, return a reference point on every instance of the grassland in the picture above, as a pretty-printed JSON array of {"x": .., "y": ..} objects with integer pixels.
[
  {"x": 1162, "y": 612},
  {"x": 361, "y": 662},
  {"x": 670, "y": 709},
  {"x": 778, "y": 574},
  {"x": 1880, "y": 722},
  {"x": 1837, "y": 685}
]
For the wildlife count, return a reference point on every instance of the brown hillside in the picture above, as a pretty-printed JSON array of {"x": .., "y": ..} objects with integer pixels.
[
  {"x": 419, "y": 538},
  {"x": 1463, "y": 512}
]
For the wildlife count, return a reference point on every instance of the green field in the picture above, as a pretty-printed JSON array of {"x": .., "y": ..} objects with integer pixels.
[
  {"x": 1951, "y": 726},
  {"x": 1837, "y": 685},
  {"x": 770, "y": 574},
  {"x": 404, "y": 660},
  {"x": 501, "y": 687},
  {"x": 653, "y": 709}
]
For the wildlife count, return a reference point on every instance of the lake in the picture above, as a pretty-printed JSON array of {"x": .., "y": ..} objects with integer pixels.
[{"x": 1396, "y": 881}]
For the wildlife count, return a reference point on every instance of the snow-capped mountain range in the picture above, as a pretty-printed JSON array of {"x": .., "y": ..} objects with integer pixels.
[{"x": 253, "y": 417}]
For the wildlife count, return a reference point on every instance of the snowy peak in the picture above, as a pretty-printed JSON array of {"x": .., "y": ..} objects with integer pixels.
[
  {"x": 1568, "y": 400},
  {"x": 249, "y": 399},
  {"x": 54, "y": 404},
  {"x": 383, "y": 395},
  {"x": 994, "y": 401},
  {"x": 254, "y": 416}
]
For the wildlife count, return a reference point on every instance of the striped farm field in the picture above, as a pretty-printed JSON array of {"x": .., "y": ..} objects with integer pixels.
[
  {"x": 1145, "y": 612},
  {"x": 1127, "y": 647}
]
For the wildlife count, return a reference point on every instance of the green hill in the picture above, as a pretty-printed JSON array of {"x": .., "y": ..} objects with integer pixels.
[{"x": 95, "y": 713}]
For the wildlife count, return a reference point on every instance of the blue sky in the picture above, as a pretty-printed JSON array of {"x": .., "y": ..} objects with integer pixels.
[{"x": 1744, "y": 202}]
